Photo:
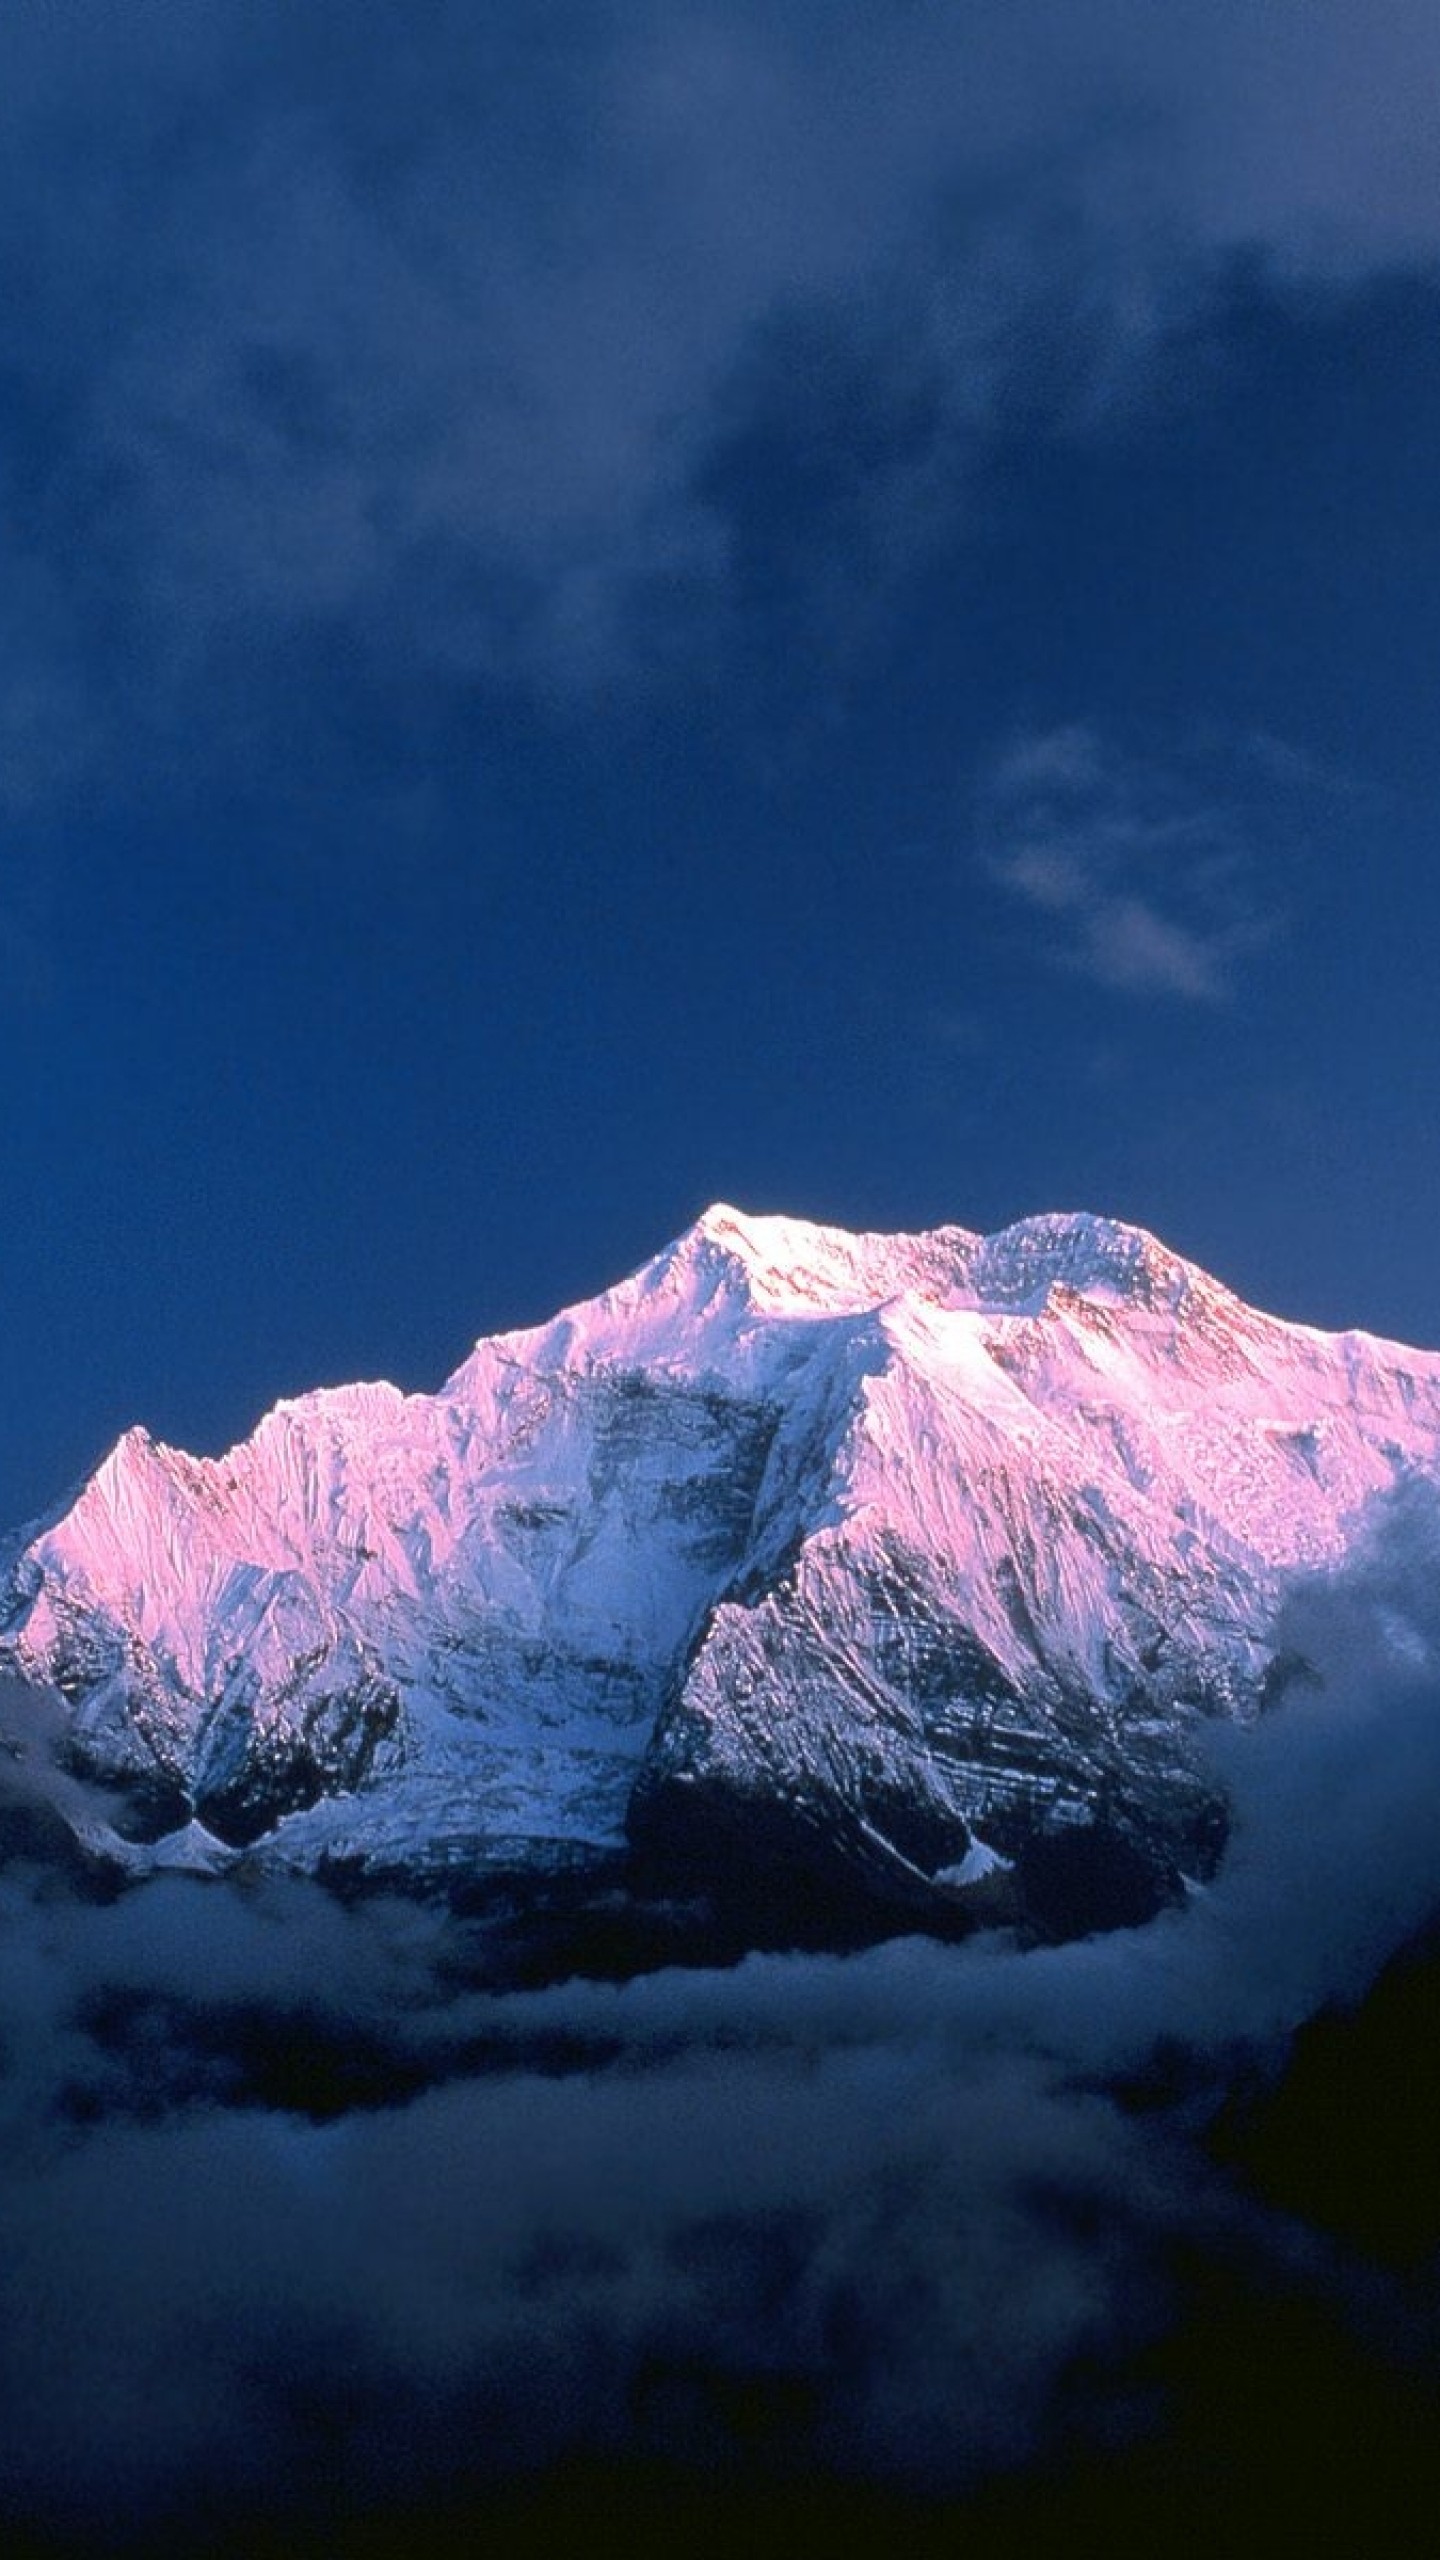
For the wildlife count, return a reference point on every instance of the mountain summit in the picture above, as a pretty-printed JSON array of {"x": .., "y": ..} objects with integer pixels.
[{"x": 904, "y": 1568}]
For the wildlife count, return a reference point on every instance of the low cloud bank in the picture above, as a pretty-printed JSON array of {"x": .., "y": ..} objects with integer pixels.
[{"x": 918, "y": 2216}]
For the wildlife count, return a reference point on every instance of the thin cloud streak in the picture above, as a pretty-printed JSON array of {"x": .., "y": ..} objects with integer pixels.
[{"x": 1139, "y": 875}]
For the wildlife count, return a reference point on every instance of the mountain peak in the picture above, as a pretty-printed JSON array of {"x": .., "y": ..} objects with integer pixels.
[
  {"x": 1099, "y": 1258},
  {"x": 723, "y": 1221},
  {"x": 797, "y": 1266},
  {"x": 908, "y": 1541},
  {"x": 713, "y": 1296}
]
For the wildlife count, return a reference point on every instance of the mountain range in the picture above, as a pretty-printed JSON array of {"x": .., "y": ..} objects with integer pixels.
[{"x": 811, "y": 1572}]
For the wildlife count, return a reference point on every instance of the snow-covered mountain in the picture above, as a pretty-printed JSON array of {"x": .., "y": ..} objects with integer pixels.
[{"x": 912, "y": 1562}]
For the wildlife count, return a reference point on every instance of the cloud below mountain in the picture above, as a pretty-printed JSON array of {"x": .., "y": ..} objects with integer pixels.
[{"x": 891, "y": 2217}]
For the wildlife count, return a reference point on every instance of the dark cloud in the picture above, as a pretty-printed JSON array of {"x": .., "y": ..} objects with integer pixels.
[
  {"x": 912, "y": 2217},
  {"x": 439, "y": 355}
]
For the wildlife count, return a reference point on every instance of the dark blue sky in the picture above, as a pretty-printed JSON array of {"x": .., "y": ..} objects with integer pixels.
[{"x": 605, "y": 607}]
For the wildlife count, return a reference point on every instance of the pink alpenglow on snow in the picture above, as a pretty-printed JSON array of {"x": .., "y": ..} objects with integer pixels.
[{"x": 925, "y": 1559}]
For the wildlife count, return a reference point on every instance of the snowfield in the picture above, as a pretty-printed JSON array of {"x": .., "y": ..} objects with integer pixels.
[{"x": 917, "y": 1560}]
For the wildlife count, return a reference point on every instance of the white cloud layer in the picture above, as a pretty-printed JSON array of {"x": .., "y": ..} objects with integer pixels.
[{"x": 894, "y": 2197}]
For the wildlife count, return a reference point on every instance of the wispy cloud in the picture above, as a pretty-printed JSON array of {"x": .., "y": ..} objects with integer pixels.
[
  {"x": 1140, "y": 874},
  {"x": 439, "y": 348}
]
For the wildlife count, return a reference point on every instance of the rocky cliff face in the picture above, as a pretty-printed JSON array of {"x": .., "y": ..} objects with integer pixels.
[{"x": 899, "y": 1568}]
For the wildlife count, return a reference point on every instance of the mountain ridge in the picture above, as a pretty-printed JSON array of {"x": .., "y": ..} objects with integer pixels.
[{"x": 888, "y": 1561}]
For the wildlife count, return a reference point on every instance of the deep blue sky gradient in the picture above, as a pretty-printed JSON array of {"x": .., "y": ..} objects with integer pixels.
[{"x": 532, "y": 622}]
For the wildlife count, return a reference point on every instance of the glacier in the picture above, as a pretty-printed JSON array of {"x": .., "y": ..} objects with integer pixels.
[{"x": 899, "y": 1573}]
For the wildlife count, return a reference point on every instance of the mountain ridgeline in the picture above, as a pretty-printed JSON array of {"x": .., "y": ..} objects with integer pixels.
[{"x": 821, "y": 1582}]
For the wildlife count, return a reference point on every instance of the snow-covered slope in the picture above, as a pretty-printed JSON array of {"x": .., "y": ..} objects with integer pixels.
[{"x": 919, "y": 1557}]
